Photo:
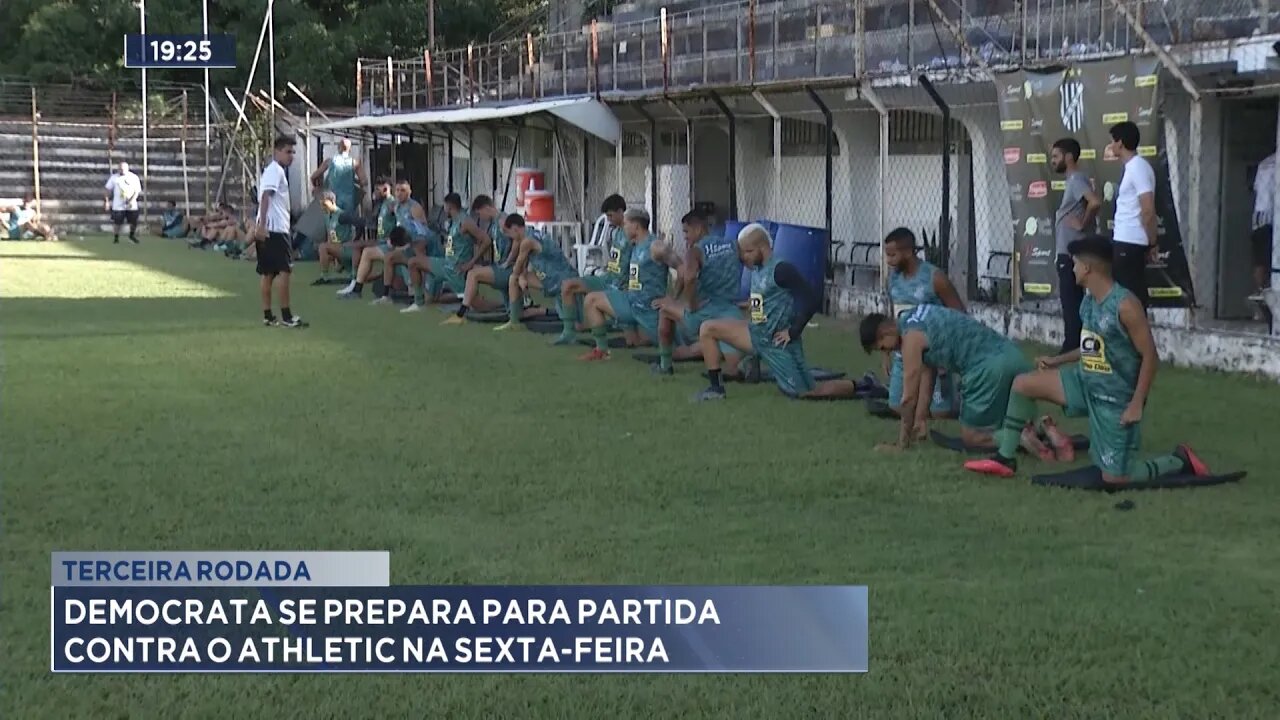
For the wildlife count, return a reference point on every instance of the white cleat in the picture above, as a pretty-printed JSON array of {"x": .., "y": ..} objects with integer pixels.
[
  {"x": 384, "y": 300},
  {"x": 411, "y": 309},
  {"x": 350, "y": 288}
]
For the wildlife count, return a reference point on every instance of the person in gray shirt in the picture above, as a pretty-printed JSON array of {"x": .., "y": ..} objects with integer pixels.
[{"x": 1074, "y": 219}]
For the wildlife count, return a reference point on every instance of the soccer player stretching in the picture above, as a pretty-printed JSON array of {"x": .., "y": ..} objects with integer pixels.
[{"x": 1106, "y": 379}]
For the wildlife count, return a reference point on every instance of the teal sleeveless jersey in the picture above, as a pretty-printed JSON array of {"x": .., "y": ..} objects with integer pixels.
[
  {"x": 501, "y": 243},
  {"x": 957, "y": 342},
  {"x": 721, "y": 272},
  {"x": 331, "y": 226},
  {"x": 386, "y": 217},
  {"x": 459, "y": 247},
  {"x": 908, "y": 292},
  {"x": 549, "y": 265},
  {"x": 341, "y": 180},
  {"x": 418, "y": 229},
  {"x": 1109, "y": 362},
  {"x": 620, "y": 249},
  {"x": 648, "y": 277},
  {"x": 772, "y": 306}
]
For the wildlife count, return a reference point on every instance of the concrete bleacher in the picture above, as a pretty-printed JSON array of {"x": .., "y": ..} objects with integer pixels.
[{"x": 76, "y": 160}]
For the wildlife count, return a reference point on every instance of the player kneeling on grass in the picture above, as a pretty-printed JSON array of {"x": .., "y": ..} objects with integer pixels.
[
  {"x": 333, "y": 252},
  {"x": 483, "y": 234},
  {"x": 933, "y": 337},
  {"x": 396, "y": 240},
  {"x": 539, "y": 264},
  {"x": 1106, "y": 379},
  {"x": 449, "y": 266},
  {"x": 782, "y": 303},
  {"x": 633, "y": 309},
  {"x": 619, "y": 248},
  {"x": 710, "y": 277}
]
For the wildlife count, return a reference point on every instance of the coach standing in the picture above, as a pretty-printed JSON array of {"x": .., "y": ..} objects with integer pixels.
[
  {"x": 123, "y": 189},
  {"x": 1134, "y": 238},
  {"x": 1073, "y": 220},
  {"x": 275, "y": 253}
]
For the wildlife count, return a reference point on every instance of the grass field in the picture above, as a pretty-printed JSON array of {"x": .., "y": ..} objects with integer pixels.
[{"x": 145, "y": 408}]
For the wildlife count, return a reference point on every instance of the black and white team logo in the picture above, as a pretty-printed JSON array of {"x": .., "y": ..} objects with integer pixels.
[{"x": 1071, "y": 107}]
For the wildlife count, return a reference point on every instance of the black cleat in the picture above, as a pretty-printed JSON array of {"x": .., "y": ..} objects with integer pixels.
[{"x": 294, "y": 322}]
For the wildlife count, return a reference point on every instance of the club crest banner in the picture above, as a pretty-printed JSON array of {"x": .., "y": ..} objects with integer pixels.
[{"x": 1083, "y": 102}]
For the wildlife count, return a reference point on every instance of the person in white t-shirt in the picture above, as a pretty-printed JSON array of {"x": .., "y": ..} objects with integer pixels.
[
  {"x": 271, "y": 239},
  {"x": 123, "y": 190},
  {"x": 1264, "y": 195},
  {"x": 1135, "y": 232}
]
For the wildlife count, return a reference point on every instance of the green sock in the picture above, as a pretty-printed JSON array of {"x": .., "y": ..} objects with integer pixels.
[
  {"x": 1140, "y": 471},
  {"x": 664, "y": 355},
  {"x": 1021, "y": 409},
  {"x": 419, "y": 297},
  {"x": 601, "y": 337},
  {"x": 513, "y": 311},
  {"x": 569, "y": 317}
]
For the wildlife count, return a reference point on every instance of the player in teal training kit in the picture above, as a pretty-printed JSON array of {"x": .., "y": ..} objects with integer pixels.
[
  {"x": 495, "y": 274},
  {"x": 539, "y": 264},
  {"x": 933, "y": 337},
  {"x": 385, "y": 222},
  {"x": 332, "y": 250},
  {"x": 782, "y": 303},
  {"x": 631, "y": 309},
  {"x": 914, "y": 282},
  {"x": 619, "y": 248},
  {"x": 343, "y": 176},
  {"x": 1106, "y": 379},
  {"x": 410, "y": 217},
  {"x": 467, "y": 241}
]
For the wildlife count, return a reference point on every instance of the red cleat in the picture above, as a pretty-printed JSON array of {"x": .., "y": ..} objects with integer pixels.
[
  {"x": 595, "y": 355},
  {"x": 1031, "y": 441},
  {"x": 1063, "y": 448},
  {"x": 1194, "y": 463},
  {"x": 989, "y": 466}
]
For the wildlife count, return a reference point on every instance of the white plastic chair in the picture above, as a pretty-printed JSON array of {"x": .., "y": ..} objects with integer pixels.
[{"x": 590, "y": 255}]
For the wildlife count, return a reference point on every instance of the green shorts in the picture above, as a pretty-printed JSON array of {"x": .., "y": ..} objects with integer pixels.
[
  {"x": 598, "y": 283},
  {"x": 693, "y": 319},
  {"x": 787, "y": 364},
  {"x": 444, "y": 273},
  {"x": 984, "y": 390},
  {"x": 386, "y": 249},
  {"x": 1112, "y": 446},
  {"x": 501, "y": 278}
]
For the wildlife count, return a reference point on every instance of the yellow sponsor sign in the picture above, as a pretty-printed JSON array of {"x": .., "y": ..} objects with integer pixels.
[
  {"x": 1146, "y": 80},
  {"x": 1147, "y": 150},
  {"x": 1164, "y": 292},
  {"x": 1088, "y": 154},
  {"x": 1113, "y": 118},
  {"x": 1011, "y": 125},
  {"x": 1059, "y": 185},
  {"x": 1037, "y": 288},
  {"x": 1037, "y": 158}
]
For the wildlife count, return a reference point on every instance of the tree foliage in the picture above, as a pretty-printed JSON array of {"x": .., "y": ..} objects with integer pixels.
[{"x": 317, "y": 41}]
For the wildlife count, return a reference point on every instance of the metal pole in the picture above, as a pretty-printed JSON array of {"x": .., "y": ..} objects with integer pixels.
[
  {"x": 733, "y": 154},
  {"x": 271, "y": 61},
  {"x": 944, "y": 220},
  {"x": 35, "y": 146},
  {"x": 146, "y": 163},
  {"x": 186, "y": 180},
  {"x": 431, "y": 24},
  {"x": 830, "y": 183},
  {"x": 874, "y": 98},
  {"x": 204, "y": 11},
  {"x": 777, "y": 145},
  {"x": 653, "y": 160},
  {"x": 111, "y": 135}
]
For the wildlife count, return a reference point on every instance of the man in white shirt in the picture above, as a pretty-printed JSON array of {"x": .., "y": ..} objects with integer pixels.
[
  {"x": 271, "y": 239},
  {"x": 1264, "y": 193},
  {"x": 1135, "y": 232},
  {"x": 123, "y": 190}
]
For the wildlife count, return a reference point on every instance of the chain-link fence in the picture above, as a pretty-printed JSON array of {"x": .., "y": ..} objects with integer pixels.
[
  {"x": 793, "y": 75},
  {"x": 60, "y": 143}
]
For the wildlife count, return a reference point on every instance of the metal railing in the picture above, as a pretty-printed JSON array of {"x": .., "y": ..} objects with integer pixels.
[{"x": 684, "y": 45}]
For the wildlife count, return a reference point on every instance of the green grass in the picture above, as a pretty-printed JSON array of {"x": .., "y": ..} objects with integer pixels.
[{"x": 145, "y": 408}]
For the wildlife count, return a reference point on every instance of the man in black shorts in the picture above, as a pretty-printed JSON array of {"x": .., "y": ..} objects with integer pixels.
[
  {"x": 123, "y": 190},
  {"x": 275, "y": 254}
]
